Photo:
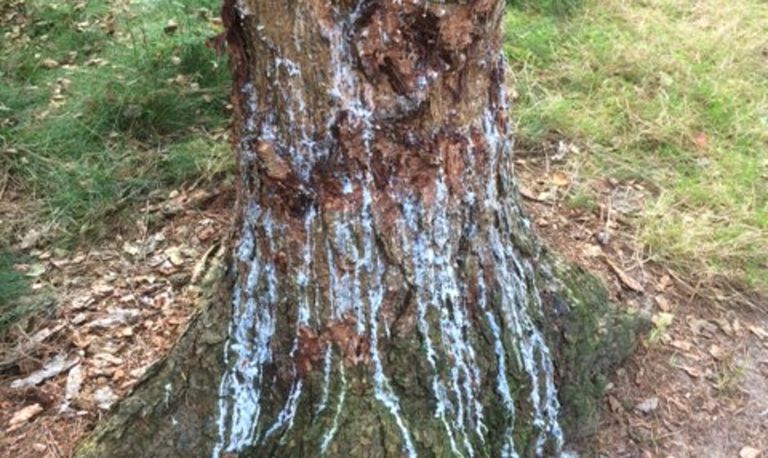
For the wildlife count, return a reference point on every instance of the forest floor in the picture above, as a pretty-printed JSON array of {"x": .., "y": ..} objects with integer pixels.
[{"x": 641, "y": 155}]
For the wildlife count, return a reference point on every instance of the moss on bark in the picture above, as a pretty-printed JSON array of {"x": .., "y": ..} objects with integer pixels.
[{"x": 589, "y": 336}]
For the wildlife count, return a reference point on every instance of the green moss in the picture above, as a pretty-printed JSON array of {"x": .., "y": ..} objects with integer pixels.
[{"x": 592, "y": 337}]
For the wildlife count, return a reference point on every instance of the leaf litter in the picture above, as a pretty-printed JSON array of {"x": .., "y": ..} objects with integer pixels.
[
  {"x": 698, "y": 385},
  {"x": 58, "y": 372}
]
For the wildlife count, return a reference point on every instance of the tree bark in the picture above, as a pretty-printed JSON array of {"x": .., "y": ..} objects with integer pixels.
[{"x": 384, "y": 295}]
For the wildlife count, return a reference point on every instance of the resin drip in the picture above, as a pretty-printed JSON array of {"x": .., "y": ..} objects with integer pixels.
[{"x": 376, "y": 265}]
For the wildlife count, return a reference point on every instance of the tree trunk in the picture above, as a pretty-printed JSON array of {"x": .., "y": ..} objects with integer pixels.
[{"x": 384, "y": 295}]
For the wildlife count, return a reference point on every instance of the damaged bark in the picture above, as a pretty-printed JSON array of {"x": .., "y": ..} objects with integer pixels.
[{"x": 384, "y": 295}]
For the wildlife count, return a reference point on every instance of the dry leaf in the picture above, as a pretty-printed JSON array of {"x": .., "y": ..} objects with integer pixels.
[
  {"x": 703, "y": 327},
  {"x": 648, "y": 406},
  {"x": 628, "y": 281},
  {"x": 49, "y": 63},
  {"x": 72, "y": 388},
  {"x": 614, "y": 404},
  {"x": 681, "y": 345},
  {"x": 662, "y": 320},
  {"x": 35, "y": 270},
  {"x": 692, "y": 371},
  {"x": 663, "y": 303},
  {"x": 560, "y": 179},
  {"x": 749, "y": 452},
  {"x": 131, "y": 248},
  {"x": 664, "y": 282},
  {"x": 24, "y": 415},
  {"x": 725, "y": 326},
  {"x": 171, "y": 26},
  {"x": 104, "y": 397},
  {"x": 758, "y": 331},
  {"x": 700, "y": 139},
  {"x": 116, "y": 317},
  {"x": 718, "y": 353},
  {"x": 52, "y": 368},
  {"x": 174, "y": 255}
]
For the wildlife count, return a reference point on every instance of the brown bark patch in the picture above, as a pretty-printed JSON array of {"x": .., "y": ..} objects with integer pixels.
[{"x": 341, "y": 334}]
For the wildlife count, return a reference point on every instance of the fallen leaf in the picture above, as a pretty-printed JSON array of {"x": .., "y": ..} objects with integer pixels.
[
  {"x": 49, "y": 63},
  {"x": 749, "y": 452},
  {"x": 52, "y": 368},
  {"x": 681, "y": 345},
  {"x": 131, "y": 248},
  {"x": 648, "y": 406},
  {"x": 108, "y": 358},
  {"x": 35, "y": 270},
  {"x": 118, "y": 375},
  {"x": 718, "y": 353},
  {"x": 664, "y": 282},
  {"x": 115, "y": 317},
  {"x": 703, "y": 327},
  {"x": 72, "y": 388},
  {"x": 171, "y": 26},
  {"x": 30, "y": 239},
  {"x": 104, "y": 397},
  {"x": 628, "y": 281},
  {"x": 614, "y": 404},
  {"x": 758, "y": 331},
  {"x": 662, "y": 320},
  {"x": 725, "y": 326},
  {"x": 560, "y": 179},
  {"x": 700, "y": 139},
  {"x": 663, "y": 303},
  {"x": 692, "y": 371},
  {"x": 24, "y": 415},
  {"x": 174, "y": 255}
]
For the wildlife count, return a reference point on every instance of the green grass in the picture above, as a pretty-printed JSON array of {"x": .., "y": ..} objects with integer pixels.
[
  {"x": 13, "y": 285},
  {"x": 672, "y": 94},
  {"x": 557, "y": 7},
  {"x": 125, "y": 114}
]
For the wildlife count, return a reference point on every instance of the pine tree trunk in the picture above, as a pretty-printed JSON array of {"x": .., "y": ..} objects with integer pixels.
[{"x": 384, "y": 295}]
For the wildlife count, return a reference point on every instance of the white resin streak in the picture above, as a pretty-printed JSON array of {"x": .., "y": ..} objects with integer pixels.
[
  {"x": 439, "y": 291},
  {"x": 518, "y": 291}
]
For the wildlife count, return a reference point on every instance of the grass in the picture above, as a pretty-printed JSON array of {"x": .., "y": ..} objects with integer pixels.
[
  {"x": 672, "y": 95},
  {"x": 13, "y": 285},
  {"x": 100, "y": 106}
]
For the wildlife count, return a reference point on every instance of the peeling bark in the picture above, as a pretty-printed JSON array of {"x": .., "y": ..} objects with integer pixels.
[{"x": 385, "y": 296}]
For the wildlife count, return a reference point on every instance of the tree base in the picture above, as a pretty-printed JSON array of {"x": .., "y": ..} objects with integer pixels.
[{"x": 173, "y": 409}]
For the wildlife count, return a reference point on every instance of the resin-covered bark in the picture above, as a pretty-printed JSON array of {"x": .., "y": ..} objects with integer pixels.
[{"x": 385, "y": 296}]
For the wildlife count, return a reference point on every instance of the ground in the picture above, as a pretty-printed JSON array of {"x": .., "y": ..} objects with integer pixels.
[
  {"x": 698, "y": 386},
  {"x": 638, "y": 134}
]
